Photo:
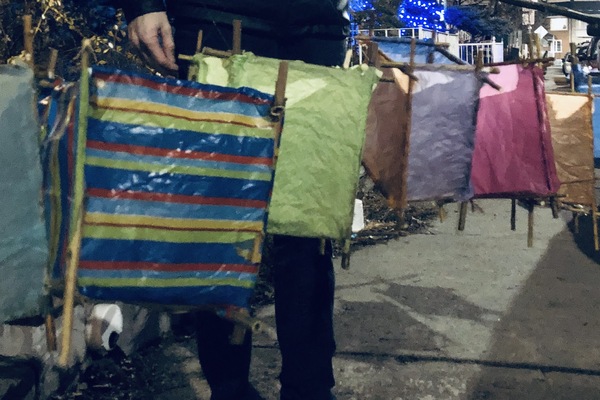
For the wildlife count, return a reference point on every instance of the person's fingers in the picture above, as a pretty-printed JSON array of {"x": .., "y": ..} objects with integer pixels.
[
  {"x": 169, "y": 45},
  {"x": 133, "y": 36},
  {"x": 153, "y": 49},
  {"x": 151, "y": 35}
]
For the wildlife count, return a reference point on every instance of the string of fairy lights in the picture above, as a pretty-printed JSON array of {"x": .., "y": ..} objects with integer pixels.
[{"x": 428, "y": 14}]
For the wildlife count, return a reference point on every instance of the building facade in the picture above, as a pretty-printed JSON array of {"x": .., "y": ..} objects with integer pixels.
[{"x": 563, "y": 31}]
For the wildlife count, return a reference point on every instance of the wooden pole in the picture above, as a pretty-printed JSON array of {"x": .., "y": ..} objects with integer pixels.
[
  {"x": 595, "y": 227},
  {"x": 237, "y": 36},
  {"x": 441, "y": 211},
  {"x": 574, "y": 62},
  {"x": 199, "y": 41},
  {"x": 52, "y": 64},
  {"x": 214, "y": 52},
  {"x": 554, "y": 207},
  {"x": 521, "y": 62},
  {"x": 69, "y": 295},
  {"x": 404, "y": 67},
  {"x": 257, "y": 248},
  {"x": 243, "y": 323},
  {"x": 278, "y": 108},
  {"x": 530, "y": 208},
  {"x": 531, "y": 46},
  {"x": 50, "y": 324},
  {"x": 373, "y": 55},
  {"x": 280, "y": 84},
  {"x": 431, "y": 53},
  {"x": 346, "y": 253},
  {"x": 479, "y": 62},
  {"x": 590, "y": 94},
  {"x": 28, "y": 40},
  {"x": 407, "y": 129},
  {"x": 513, "y": 214},
  {"x": 462, "y": 216},
  {"x": 77, "y": 228},
  {"x": 428, "y": 67}
]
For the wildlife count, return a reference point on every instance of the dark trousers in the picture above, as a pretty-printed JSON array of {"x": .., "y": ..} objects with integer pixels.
[
  {"x": 304, "y": 285},
  {"x": 304, "y": 279}
]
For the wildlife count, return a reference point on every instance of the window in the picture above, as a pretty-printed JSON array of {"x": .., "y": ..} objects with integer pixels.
[{"x": 557, "y": 46}]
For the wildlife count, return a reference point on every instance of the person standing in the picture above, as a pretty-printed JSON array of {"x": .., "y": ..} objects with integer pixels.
[{"x": 313, "y": 31}]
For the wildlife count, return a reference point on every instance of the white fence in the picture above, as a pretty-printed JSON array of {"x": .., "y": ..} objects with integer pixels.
[
  {"x": 417, "y": 33},
  {"x": 492, "y": 52}
]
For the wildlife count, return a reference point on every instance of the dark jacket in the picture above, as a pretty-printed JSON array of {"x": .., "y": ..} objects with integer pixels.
[{"x": 299, "y": 16}]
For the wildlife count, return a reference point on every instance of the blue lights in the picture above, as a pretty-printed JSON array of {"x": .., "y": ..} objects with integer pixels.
[
  {"x": 361, "y": 5},
  {"x": 428, "y": 14}
]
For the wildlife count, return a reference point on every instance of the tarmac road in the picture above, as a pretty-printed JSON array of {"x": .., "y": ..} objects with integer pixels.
[
  {"x": 449, "y": 315},
  {"x": 467, "y": 315}
]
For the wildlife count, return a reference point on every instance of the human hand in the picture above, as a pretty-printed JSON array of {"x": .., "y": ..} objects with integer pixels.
[{"x": 151, "y": 34}]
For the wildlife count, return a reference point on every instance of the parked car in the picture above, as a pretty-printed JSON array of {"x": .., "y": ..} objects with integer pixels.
[{"x": 582, "y": 56}]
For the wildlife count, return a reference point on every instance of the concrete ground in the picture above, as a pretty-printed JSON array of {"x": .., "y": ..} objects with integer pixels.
[
  {"x": 451, "y": 315},
  {"x": 446, "y": 315},
  {"x": 467, "y": 315}
]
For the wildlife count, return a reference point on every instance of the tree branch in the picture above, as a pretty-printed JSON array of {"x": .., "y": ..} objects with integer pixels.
[{"x": 559, "y": 10}]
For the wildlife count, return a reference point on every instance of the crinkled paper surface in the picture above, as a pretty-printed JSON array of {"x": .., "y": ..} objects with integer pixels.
[
  {"x": 23, "y": 245},
  {"x": 388, "y": 126},
  {"x": 513, "y": 151},
  {"x": 321, "y": 144},
  {"x": 570, "y": 119},
  {"x": 444, "y": 106}
]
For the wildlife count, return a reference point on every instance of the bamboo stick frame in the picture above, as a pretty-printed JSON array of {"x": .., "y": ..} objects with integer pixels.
[
  {"x": 69, "y": 294},
  {"x": 522, "y": 62},
  {"x": 462, "y": 209},
  {"x": 373, "y": 55},
  {"x": 594, "y": 201},
  {"x": 237, "y": 37},
  {"x": 593, "y": 208},
  {"x": 574, "y": 62},
  {"x": 462, "y": 215},
  {"x": 530, "y": 221},
  {"x": 51, "y": 69},
  {"x": 243, "y": 320},
  {"x": 442, "y": 214},
  {"x": 407, "y": 126},
  {"x": 28, "y": 40},
  {"x": 529, "y": 200},
  {"x": 199, "y": 40},
  {"x": 513, "y": 214},
  {"x": 77, "y": 224},
  {"x": 49, "y": 323}
]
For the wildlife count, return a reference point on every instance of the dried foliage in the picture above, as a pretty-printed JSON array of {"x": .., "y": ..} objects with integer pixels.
[{"x": 62, "y": 25}]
